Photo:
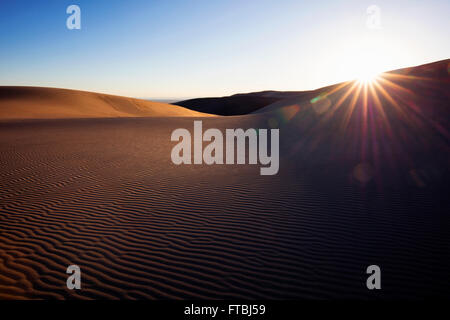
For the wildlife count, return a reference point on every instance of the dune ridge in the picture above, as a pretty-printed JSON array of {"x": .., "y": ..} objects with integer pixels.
[{"x": 53, "y": 103}]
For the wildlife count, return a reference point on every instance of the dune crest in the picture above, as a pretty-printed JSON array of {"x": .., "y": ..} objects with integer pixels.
[{"x": 53, "y": 103}]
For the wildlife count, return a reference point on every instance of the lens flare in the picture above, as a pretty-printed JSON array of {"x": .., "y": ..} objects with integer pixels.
[{"x": 367, "y": 76}]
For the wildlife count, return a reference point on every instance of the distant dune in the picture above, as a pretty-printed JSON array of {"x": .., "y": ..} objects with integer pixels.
[
  {"x": 227, "y": 106},
  {"x": 363, "y": 180},
  {"x": 52, "y": 103},
  {"x": 243, "y": 103}
]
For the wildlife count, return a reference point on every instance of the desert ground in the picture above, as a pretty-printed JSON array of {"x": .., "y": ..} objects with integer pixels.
[{"x": 87, "y": 179}]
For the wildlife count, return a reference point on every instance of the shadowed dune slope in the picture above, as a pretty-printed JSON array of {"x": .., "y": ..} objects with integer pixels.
[
  {"x": 408, "y": 84},
  {"x": 397, "y": 125},
  {"x": 397, "y": 104},
  {"x": 52, "y": 103}
]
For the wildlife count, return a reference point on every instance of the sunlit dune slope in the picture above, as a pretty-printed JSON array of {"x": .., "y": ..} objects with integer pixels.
[{"x": 52, "y": 103}]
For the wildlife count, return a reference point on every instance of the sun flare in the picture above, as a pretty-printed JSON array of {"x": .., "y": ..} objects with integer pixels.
[{"x": 367, "y": 77}]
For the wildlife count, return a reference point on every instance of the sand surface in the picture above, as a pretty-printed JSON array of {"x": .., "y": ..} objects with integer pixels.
[{"x": 358, "y": 185}]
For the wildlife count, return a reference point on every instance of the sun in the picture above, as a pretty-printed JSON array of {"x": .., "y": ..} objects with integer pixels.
[{"x": 367, "y": 77}]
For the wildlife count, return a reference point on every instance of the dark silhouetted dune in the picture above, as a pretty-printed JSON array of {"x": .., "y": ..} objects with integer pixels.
[
  {"x": 51, "y": 103},
  {"x": 227, "y": 106},
  {"x": 239, "y": 104},
  {"x": 363, "y": 180}
]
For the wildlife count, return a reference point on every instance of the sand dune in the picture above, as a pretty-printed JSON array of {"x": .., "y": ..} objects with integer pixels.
[
  {"x": 228, "y": 106},
  {"x": 238, "y": 104},
  {"x": 362, "y": 180},
  {"x": 418, "y": 82},
  {"x": 52, "y": 103},
  {"x": 255, "y": 102}
]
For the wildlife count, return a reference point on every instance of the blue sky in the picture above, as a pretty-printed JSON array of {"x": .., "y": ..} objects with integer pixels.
[{"x": 181, "y": 49}]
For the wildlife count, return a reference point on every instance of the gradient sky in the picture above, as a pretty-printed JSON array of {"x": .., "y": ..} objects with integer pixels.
[{"x": 181, "y": 49}]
